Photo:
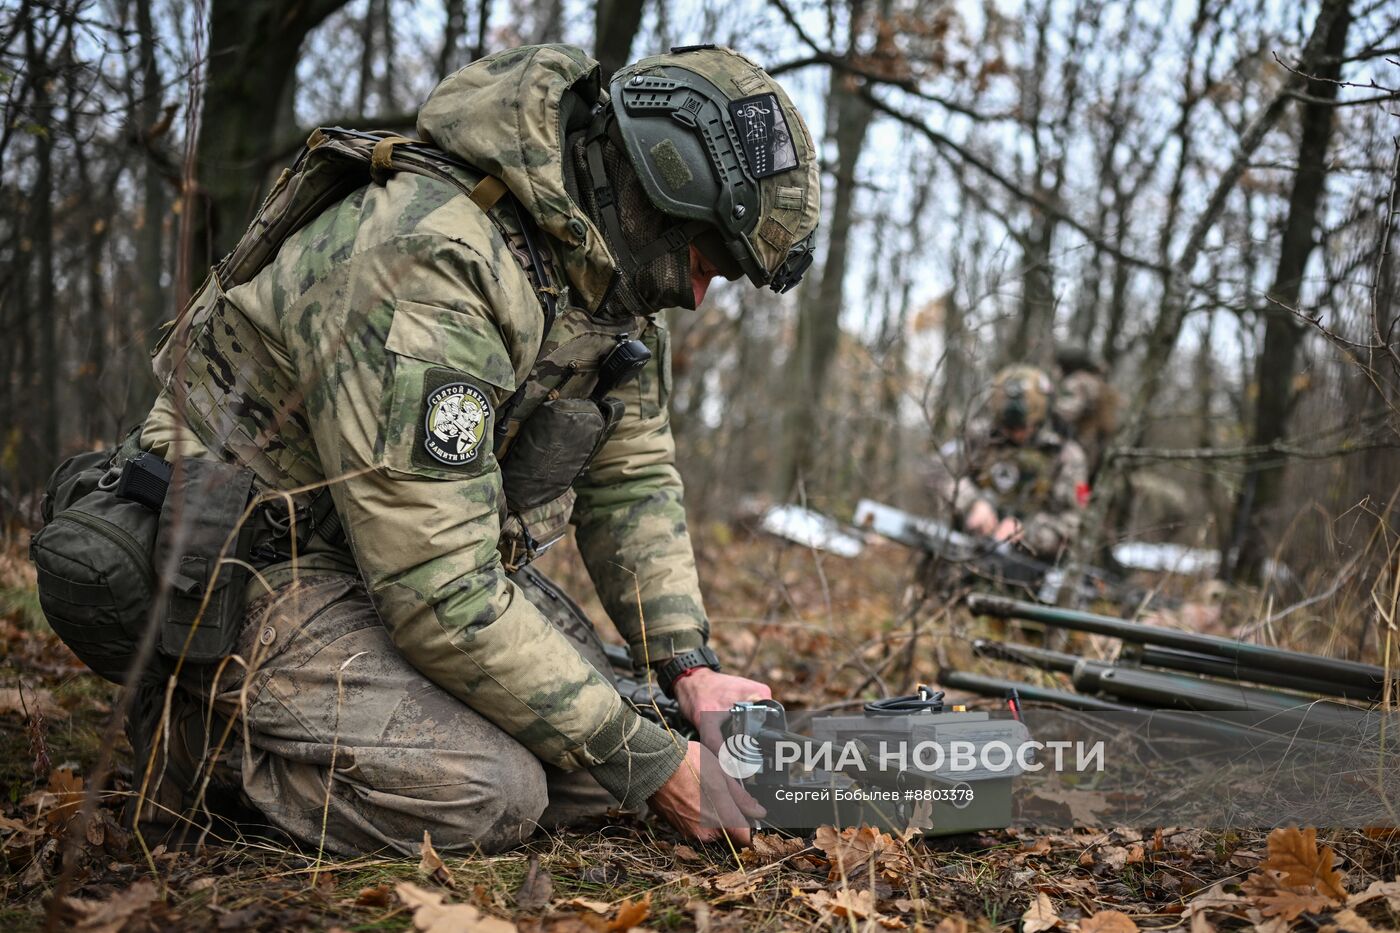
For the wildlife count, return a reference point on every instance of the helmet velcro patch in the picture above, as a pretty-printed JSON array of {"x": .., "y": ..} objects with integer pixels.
[
  {"x": 670, "y": 164},
  {"x": 775, "y": 232}
]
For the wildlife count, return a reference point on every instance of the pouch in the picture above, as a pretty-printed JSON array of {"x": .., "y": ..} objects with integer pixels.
[
  {"x": 554, "y": 446},
  {"x": 93, "y": 559},
  {"x": 203, "y": 540}
]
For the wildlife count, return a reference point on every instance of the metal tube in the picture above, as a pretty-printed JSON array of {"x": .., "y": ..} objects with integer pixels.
[
  {"x": 996, "y": 687},
  {"x": 1042, "y": 658},
  {"x": 1348, "y": 674},
  {"x": 1192, "y": 662}
]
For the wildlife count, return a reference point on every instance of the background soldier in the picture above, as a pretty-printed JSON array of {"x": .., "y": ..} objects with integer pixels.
[
  {"x": 410, "y": 647},
  {"x": 1015, "y": 478},
  {"x": 1086, "y": 405}
]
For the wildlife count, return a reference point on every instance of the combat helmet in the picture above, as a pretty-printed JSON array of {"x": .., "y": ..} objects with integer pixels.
[
  {"x": 1021, "y": 398},
  {"x": 717, "y": 146}
]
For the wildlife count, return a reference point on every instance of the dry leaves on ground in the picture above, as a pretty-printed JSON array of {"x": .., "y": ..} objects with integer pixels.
[
  {"x": 1293, "y": 853},
  {"x": 432, "y": 864},
  {"x": 852, "y": 851},
  {"x": 1040, "y": 916},
  {"x": 1390, "y": 890},
  {"x": 770, "y": 847},
  {"x": 111, "y": 914},
  {"x": 537, "y": 890},
  {"x": 432, "y": 915},
  {"x": 1108, "y": 921}
]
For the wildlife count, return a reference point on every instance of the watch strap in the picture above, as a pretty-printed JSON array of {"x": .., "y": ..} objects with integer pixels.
[{"x": 669, "y": 671}]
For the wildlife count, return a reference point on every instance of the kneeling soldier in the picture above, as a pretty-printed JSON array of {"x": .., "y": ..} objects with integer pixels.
[{"x": 445, "y": 348}]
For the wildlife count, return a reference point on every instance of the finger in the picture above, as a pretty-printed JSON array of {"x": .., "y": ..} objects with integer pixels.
[
  {"x": 750, "y": 807},
  {"x": 732, "y": 821},
  {"x": 710, "y": 735}
]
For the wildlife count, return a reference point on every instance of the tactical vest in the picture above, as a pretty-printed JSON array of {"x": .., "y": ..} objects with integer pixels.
[
  {"x": 1020, "y": 479},
  {"x": 546, "y": 432}
]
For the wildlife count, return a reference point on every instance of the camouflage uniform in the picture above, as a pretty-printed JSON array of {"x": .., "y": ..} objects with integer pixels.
[
  {"x": 1038, "y": 476},
  {"x": 445, "y": 687},
  {"x": 1043, "y": 483},
  {"x": 1087, "y": 407}
]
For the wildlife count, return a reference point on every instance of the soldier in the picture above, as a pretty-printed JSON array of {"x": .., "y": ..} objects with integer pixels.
[
  {"x": 1015, "y": 478},
  {"x": 445, "y": 350},
  {"x": 1086, "y": 405}
]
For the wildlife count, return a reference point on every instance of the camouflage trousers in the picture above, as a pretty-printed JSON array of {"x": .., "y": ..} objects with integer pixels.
[{"x": 333, "y": 739}]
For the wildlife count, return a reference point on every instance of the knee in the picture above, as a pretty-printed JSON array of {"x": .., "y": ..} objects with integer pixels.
[{"x": 470, "y": 800}]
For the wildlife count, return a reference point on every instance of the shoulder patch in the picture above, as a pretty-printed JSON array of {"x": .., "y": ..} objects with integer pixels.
[{"x": 455, "y": 422}]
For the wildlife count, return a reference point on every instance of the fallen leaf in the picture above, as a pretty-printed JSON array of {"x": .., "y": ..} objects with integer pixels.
[
  {"x": 951, "y": 925},
  {"x": 847, "y": 902},
  {"x": 686, "y": 854},
  {"x": 630, "y": 914},
  {"x": 1108, "y": 921},
  {"x": 1294, "y": 854},
  {"x": 15, "y": 826},
  {"x": 432, "y": 864},
  {"x": 537, "y": 890},
  {"x": 431, "y": 915},
  {"x": 1040, "y": 915},
  {"x": 601, "y": 907},
  {"x": 110, "y": 915},
  {"x": 1390, "y": 890},
  {"x": 737, "y": 883},
  {"x": 1348, "y": 921},
  {"x": 62, "y": 798},
  {"x": 1289, "y": 904},
  {"x": 1136, "y": 856},
  {"x": 376, "y": 896},
  {"x": 770, "y": 847},
  {"x": 849, "y": 849}
]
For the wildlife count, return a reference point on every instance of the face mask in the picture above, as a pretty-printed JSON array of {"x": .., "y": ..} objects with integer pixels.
[{"x": 647, "y": 287}]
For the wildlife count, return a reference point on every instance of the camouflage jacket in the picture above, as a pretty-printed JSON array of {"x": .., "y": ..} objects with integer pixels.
[
  {"x": 1044, "y": 483},
  {"x": 377, "y": 351},
  {"x": 1087, "y": 406}
]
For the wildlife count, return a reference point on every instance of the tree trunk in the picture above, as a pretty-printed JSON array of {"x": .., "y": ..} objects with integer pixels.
[
  {"x": 1283, "y": 332},
  {"x": 615, "y": 27},
  {"x": 454, "y": 30},
  {"x": 151, "y": 305},
  {"x": 253, "y": 49},
  {"x": 46, "y": 445},
  {"x": 819, "y": 321}
]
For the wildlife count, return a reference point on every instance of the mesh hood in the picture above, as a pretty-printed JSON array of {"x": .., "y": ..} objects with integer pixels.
[{"x": 664, "y": 282}]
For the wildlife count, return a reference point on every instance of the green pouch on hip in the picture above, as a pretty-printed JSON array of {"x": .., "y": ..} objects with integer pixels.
[{"x": 203, "y": 540}]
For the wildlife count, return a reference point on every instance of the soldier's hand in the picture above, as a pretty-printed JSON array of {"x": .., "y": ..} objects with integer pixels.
[
  {"x": 705, "y": 691},
  {"x": 1010, "y": 529},
  {"x": 703, "y": 802},
  {"x": 981, "y": 519}
]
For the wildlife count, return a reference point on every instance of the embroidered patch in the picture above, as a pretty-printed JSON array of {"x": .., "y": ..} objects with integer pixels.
[
  {"x": 764, "y": 133},
  {"x": 455, "y": 421},
  {"x": 1005, "y": 476}
]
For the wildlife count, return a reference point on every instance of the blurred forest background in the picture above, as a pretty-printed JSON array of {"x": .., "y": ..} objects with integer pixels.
[{"x": 1203, "y": 194}]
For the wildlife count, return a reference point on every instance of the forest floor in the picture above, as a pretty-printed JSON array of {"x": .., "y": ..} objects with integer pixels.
[{"x": 821, "y": 630}]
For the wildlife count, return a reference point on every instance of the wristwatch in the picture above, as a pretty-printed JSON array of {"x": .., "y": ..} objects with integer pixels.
[{"x": 668, "y": 672}]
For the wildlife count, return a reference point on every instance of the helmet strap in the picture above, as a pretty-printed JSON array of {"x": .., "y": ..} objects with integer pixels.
[{"x": 676, "y": 237}]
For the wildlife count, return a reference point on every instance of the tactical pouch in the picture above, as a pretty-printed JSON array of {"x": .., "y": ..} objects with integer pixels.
[
  {"x": 554, "y": 446},
  {"x": 526, "y": 535},
  {"x": 93, "y": 557},
  {"x": 204, "y": 538}
]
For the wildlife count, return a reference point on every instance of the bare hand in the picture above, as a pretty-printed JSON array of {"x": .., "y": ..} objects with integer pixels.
[
  {"x": 1009, "y": 529},
  {"x": 981, "y": 519},
  {"x": 707, "y": 691},
  {"x": 699, "y": 796}
]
